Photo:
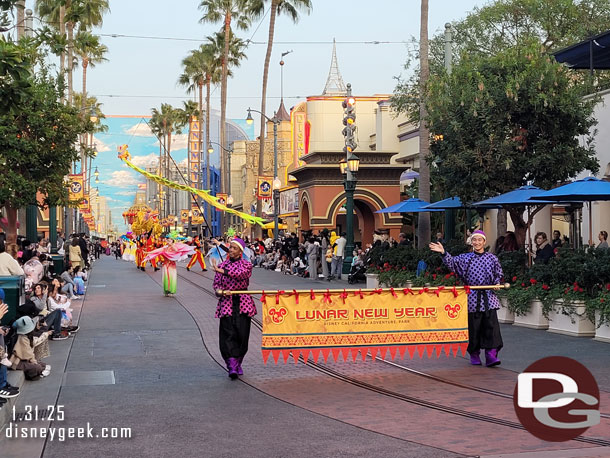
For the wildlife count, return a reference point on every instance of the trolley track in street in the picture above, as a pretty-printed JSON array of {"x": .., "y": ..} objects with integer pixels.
[{"x": 324, "y": 369}]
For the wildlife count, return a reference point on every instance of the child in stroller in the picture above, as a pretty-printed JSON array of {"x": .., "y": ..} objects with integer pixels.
[{"x": 358, "y": 270}]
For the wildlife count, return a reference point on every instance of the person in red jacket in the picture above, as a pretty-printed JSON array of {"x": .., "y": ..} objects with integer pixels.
[{"x": 198, "y": 256}]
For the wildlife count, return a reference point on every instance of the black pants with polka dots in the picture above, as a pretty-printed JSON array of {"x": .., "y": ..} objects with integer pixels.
[{"x": 234, "y": 333}]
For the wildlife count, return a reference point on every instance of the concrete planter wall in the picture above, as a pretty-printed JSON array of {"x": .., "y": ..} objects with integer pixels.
[
  {"x": 372, "y": 281},
  {"x": 504, "y": 314},
  {"x": 603, "y": 332},
  {"x": 575, "y": 324},
  {"x": 534, "y": 319}
]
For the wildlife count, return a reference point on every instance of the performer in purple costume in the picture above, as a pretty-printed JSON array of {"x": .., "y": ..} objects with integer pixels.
[
  {"x": 235, "y": 311},
  {"x": 475, "y": 269}
]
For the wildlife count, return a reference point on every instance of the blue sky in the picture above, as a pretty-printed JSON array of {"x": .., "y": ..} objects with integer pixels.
[{"x": 141, "y": 73}]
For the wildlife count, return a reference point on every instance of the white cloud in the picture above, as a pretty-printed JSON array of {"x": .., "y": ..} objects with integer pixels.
[
  {"x": 145, "y": 161},
  {"x": 184, "y": 162},
  {"x": 122, "y": 179},
  {"x": 140, "y": 130},
  {"x": 179, "y": 142},
  {"x": 101, "y": 146},
  {"x": 126, "y": 193}
]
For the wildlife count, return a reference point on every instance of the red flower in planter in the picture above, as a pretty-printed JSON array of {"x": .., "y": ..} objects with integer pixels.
[
  {"x": 448, "y": 276},
  {"x": 404, "y": 267},
  {"x": 545, "y": 287},
  {"x": 608, "y": 287},
  {"x": 533, "y": 281},
  {"x": 602, "y": 300},
  {"x": 515, "y": 278},
  {"x": 523, "y": 284},
  {"x": 433, "y": 276},
  {"x": 576, "y": 283}
]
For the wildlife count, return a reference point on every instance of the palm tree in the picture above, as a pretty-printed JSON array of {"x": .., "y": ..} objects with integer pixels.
[
  {"x": 423, "y": 230},
  {"x": 168, "y": 120},
  {"x": 71, "y": 14},
  {"x": 238, "y": 13},
  {"x": 289, "y": 8},
  {"x": 91, "y": 52}
]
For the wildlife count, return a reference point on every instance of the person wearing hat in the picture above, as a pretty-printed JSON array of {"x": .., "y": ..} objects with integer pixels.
[
  {"x": 475, "y": 269},
  {"x": 23, "y": 357},
  {"x": 235, "y": 311}
]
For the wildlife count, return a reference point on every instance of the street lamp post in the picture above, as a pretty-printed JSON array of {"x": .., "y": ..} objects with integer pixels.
[
  {"x": 349, "y": 169},
  {"x": 276, "y": 180}
]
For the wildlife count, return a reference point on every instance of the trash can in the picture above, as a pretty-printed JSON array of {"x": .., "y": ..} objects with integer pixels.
[
  {"x": 14, "y": 295},
  {"x": 58, "y": 263}
]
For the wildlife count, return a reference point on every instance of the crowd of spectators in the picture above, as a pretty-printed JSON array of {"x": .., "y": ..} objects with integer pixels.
[{"x": 45, "y": 314}]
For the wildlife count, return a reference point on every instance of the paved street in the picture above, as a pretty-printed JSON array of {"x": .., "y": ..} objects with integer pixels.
[{"x": 150, "y": 363}]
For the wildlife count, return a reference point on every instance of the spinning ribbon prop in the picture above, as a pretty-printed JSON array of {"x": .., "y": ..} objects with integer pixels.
[{"x": 204, "y": 194}]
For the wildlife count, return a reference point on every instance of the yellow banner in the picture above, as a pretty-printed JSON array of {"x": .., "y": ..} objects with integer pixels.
[
  {"x": 264, "y": 187},
  {"x": 76, "y": 186},
  {"x": 426, "y": 321}
]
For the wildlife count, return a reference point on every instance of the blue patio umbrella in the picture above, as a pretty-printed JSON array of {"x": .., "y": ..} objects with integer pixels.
[
  {"x": 454, "y": 203},
  {"x": 520, "y": 196},
  {"x": 586, "y": 190},
  {"x": 409, "y": 175},
  {"x": 412, "y": 205}
]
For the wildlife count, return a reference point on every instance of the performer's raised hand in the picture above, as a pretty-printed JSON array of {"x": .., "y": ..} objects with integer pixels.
[{"x": 437, "y": 246}]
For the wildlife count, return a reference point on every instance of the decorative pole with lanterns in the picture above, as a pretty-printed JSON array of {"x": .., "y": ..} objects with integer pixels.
[
  {"x": 277, "y": 184},
  {"x": 349, "y": 169}
]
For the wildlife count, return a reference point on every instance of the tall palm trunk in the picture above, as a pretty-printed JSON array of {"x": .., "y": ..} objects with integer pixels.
[
  {"x": 223, "y": 101},
  {"x": 261, "y": 153},
  {"x": 62, "y": 56},
  {"x": 423, "y": 231},
  {"x": 207, "y": 142},
  {"x": 70, "y": 67},
  {"x": 83, "y": 106}
]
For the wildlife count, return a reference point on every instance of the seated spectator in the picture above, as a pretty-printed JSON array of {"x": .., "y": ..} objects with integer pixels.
[
  {"x": 544, "y": 250},
  {"x": 68, "y": 284},
  {"x": 603, "y": 239},
  {"x": 22, "y": 357},
  {"x": 6, "y": 390},
  {"x": 298, "y": 267},
  {"x": 78, "y": 281},
  {"x": 8, "y": 264}
]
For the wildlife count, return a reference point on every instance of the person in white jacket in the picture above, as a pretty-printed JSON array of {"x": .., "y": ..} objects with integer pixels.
[{"x": 8, "y": 265}]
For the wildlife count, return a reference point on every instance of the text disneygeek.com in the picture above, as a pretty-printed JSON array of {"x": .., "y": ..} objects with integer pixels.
[{"x": 18, "y": 428}]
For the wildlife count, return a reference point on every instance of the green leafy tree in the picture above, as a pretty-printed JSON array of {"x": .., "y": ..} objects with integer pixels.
[
  {"x": 37, "y": 147},
  {"x": 15, "y": 75},
  {"x": 507, "y": 120}
]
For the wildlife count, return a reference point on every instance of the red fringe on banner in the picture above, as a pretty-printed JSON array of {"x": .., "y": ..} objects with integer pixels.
[{"x": 422, "y": 350}]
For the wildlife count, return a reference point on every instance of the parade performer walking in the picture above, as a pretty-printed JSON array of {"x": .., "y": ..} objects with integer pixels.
[
  {"x": 170, "y": 254},
  {"x": 476, "y": 269},
  {"x": 198, "y": 256},
  {"x": 235, "y": 311}
]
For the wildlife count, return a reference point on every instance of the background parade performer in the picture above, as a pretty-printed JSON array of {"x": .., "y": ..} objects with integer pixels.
[
  {"x": 170, "y": 254},
  {"x": 198, "y": 256},
  {"x": 235, "y": 311},
  {"x": 475, "y": 269}
]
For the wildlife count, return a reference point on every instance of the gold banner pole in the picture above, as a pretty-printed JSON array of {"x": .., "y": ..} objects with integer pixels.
[{"x": 271, "y": 292}]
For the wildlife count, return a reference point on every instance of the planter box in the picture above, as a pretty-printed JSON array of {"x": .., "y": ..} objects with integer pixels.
[
  {"x": 576, "y": 324},
  {"x": 504, "y": 314},
  {"x": 603, "y": 332},
  {"x": 534, "y": 319},
  {"x": 372, "y": 281}
]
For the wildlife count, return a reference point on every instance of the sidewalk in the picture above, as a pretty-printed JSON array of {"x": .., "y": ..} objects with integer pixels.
[{"x": 139, "y": 362}]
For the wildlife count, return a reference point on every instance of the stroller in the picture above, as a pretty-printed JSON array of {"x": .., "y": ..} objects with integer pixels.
[{"x": 357, "y": 274}]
